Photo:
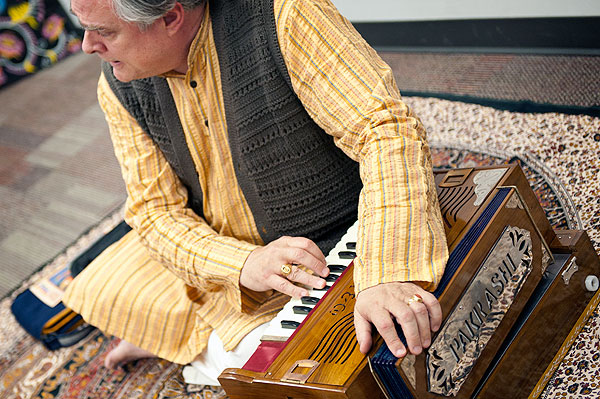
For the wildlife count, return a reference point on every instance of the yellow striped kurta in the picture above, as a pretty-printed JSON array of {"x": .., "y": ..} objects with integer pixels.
[{"x": 175, "y": 278}]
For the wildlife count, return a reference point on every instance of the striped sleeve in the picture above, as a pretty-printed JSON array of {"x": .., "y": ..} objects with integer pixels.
[
  {"x": 351, "y": 93},
  {"x": 156, "y": 209}
]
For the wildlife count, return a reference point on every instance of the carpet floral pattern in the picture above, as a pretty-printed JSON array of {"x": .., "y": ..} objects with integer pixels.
[{"x": 560, "y": 155}]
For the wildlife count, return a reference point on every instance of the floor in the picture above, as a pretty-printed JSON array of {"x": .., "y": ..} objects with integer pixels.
[{"x": 58, "y": 174}]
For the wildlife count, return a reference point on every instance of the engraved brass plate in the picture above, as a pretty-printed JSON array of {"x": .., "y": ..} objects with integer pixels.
[
  {"x": 473, "y": 321},
  {"x": 408, "y": 367},
  {"x": 485, "y": 181},
  {"x": 570, "y": 270}
]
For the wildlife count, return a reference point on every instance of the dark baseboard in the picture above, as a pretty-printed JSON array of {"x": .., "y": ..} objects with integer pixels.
[
  {"x": 576, "y": 35},
  {"x": 524, "y": 106}
]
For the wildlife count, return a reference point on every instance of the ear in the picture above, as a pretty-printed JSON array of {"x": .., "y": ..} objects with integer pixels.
[{"x": 173, "y": 19}]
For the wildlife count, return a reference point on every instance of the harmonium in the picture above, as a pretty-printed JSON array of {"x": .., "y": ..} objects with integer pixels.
[{"x": 513, "y": 295}]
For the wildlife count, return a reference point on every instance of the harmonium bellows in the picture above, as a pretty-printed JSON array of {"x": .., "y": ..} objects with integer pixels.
[{"x": 511, "y": 294}]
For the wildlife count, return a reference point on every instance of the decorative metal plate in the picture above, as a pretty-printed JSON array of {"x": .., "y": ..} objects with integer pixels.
[
  {"x": 470, "y": 325},
  {"x": 485, "y": 181}
]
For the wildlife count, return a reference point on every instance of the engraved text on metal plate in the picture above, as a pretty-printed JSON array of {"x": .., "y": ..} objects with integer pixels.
[{"x": 470, "y": 325}]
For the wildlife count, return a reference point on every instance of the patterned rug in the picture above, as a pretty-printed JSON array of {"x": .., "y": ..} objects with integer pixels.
[
  {"x": 515, "y": 82},
  {"x": 560, "y": 155}
]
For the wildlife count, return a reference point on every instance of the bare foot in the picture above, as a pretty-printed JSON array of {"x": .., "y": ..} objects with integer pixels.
[{"x": 123, "y": 353}]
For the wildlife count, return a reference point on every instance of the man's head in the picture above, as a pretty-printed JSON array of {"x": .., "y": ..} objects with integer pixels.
[{"x": 139, "y": 38}]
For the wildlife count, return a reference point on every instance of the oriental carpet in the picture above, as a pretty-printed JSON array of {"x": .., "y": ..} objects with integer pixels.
[{"x": 559, "y": 153}]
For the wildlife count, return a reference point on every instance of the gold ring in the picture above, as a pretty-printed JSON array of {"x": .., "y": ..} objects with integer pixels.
[
  {"x": 286, "y": 270},
  {"x": 414, "y": 298}
]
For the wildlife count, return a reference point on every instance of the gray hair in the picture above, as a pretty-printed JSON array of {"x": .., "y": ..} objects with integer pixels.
[{"x": 145, "y": 12}]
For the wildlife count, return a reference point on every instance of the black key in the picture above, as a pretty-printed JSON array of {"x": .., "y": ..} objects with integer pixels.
[
  {"x": 327, "y": 287},
  {"x": 347, "y": 254},
  {"x": 351, "y": 246},
  {"x": 331, "y": 278},
  {"x": 336, "y": 268},
  {"x": 289, "y": 324},
  {"x": 301, "y": 309},
  {"x": 309, "y": 300}
]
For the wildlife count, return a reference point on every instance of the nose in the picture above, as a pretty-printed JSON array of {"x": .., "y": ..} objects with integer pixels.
[{"x": 91, "y": 44}]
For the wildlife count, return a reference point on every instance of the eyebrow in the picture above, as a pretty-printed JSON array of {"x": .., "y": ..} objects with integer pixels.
[
  {"x": 84, "y": 26},
  {"x": 89, "y": 28}
]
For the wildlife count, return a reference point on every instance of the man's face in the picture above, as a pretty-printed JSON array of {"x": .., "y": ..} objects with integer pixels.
[{"x": 132, "y": 53}]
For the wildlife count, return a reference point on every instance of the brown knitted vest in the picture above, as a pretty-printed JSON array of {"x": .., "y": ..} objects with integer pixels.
[{"x": 295, "y": 180}]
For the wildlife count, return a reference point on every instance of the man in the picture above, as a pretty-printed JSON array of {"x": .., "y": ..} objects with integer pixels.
[{"x": 275, "y": 105}]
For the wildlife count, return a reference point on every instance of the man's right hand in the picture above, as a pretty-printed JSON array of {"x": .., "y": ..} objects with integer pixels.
[
  {"x": 262, "y": 270},
  {"x": 384, "y": 304}
]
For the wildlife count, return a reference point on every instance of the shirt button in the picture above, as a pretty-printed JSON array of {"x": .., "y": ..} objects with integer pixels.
[{"x": 193, "y": 84}]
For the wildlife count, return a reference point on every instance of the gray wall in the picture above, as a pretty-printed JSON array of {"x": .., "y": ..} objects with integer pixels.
[
  {"x": 415, "y": 10},
  {"x": 431, "y": 10}
]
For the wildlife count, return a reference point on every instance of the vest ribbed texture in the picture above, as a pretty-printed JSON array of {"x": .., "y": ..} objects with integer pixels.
[
  {"x": 294, "y": 178},
  {"x": 150, "y": 102}
]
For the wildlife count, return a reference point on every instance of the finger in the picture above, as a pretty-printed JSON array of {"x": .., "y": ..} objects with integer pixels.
[
  {"x": 434, "y": 309},
  {"x": 300, "y": 276},
  {"x": 384, "y": 323},
  {"x": 422, "y": 318},
  {"x": 406, "y": 318},
  {"x": 285, "y": 286},
  {"x": 307, "y": 245},
  {"x": 299, "y": 255},
  {"x": 308, "y": 254},
  {"x": 363, "y": 332}
]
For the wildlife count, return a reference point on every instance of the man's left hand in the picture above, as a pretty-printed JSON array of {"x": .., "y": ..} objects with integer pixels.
[{"x": 383, "y": 304}]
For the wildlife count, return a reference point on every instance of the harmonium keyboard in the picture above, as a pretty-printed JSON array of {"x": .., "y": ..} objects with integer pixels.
[{"x": 511, "y": 295}]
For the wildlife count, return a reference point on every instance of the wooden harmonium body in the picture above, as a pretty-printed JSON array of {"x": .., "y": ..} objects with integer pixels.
[{"x": 511, "y": 292}]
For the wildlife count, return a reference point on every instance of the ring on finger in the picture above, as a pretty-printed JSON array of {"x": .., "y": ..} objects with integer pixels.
[
  {"x": 414, "y": 298},
  {"x": 286, "y": 269}
]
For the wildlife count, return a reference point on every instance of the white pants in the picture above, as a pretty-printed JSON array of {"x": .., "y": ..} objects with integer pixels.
[{"x": 214, "y": 358}]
